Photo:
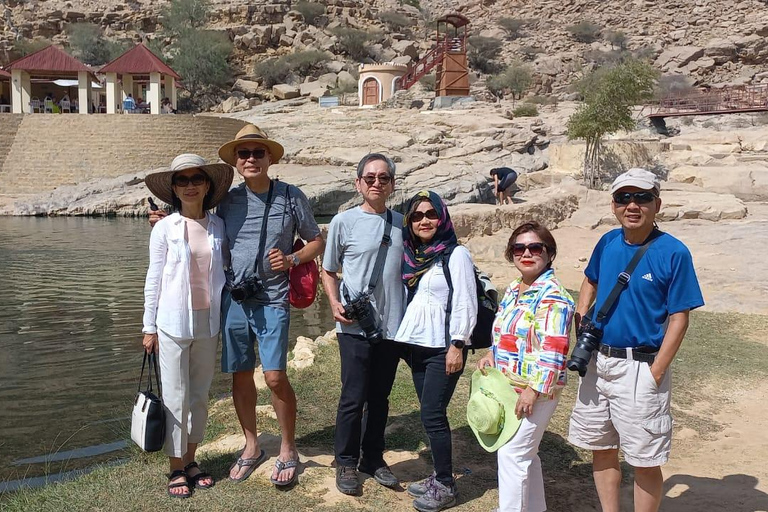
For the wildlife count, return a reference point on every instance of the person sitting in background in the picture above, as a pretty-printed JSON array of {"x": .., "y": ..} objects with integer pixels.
[
  {"x": 530, "y": 345},
  {"x": 166, "y": 107},
  {"x": 182, "y": 297},
  {"x": 129, "y": 104},
  {"x": 504, "y": 180}
]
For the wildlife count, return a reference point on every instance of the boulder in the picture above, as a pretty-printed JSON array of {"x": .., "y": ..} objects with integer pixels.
[
  {"x": 328, "y": 79},
  {"x": 285, "y": 91},
  {"x": 678, "y": 56},
  {"x": 307, "y": 88},
  {"x": 246, "y": 86},
  {"x": 334, "y": 66},
  {"x": 346, "y": 77},
  {"x": 406, "y": 47},
  {"x": 316, "y": 94},
  {"x": 721, "y": 50}
]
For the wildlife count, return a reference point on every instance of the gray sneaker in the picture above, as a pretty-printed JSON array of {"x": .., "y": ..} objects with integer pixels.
[
  {"x": 418, "y": 489},
  {"x": 437, "y": 497}
]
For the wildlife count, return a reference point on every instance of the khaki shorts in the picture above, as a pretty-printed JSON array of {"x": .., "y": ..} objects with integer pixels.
[{"x": 619, "y": 405}]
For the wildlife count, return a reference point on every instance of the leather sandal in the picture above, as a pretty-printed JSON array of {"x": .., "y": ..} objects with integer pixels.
[
  {"x": 195, "y": 480},
  {"x": 176, "y": 485}
]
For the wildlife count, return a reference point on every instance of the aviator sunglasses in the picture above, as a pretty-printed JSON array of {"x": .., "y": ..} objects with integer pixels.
[
  {"x": 625, "y": 198},
  {"x": 535, "y": 249},
  {"x": 370, "y": 180},
  {"x": 196, "y": 180},
  {"x": 245, "y": 154},
  {"x": 419, "y": 216}
]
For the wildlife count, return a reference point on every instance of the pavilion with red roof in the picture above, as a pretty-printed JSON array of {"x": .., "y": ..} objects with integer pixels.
[
  {"x": 139, "y": 66},
  {"x": 50, "y": 63}
]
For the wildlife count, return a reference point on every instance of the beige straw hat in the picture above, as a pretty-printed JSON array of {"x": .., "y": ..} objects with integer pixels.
[
  {"x": 220, "y": 175},
  {"x": 250, "y": 133}
]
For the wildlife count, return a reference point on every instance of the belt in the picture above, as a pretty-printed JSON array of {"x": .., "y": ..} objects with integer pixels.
[{"x": 639, "y": 354}]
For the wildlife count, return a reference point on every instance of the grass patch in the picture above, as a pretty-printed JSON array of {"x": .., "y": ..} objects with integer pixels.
[{"x": 718, "y": 349}]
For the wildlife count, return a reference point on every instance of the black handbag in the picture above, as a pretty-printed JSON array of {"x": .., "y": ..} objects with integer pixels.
[{"x": 148, "y": 416}]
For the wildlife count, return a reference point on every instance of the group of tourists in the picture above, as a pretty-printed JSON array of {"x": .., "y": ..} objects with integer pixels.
[{"x": 401, "y": 287}]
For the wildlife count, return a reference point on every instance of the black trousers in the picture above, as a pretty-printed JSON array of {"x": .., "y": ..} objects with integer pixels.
[
  {"x": 367, "y": 374},
  {"x": 435, "y": 390}
]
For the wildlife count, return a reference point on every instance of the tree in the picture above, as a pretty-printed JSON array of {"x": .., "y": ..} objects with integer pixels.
[
  {"x": 516, "y": 79},
  {"x": 617, "y": 38},
  {"x": 353, "y": 42},
  {"x": 585, "y": 31},
  {"x": 512, "y": 26},
  {"x": 395, "y": 21},
  {"x": 88, "y": 44},
  {"x": 311, "y": 11},
  {"x": 482, "y": 53},
  {"x": 609, "y": 95},
  {"x": 26, "y": 46},
  {"x": 201, "y": 60},
  {"x": 182, "y": 16}
]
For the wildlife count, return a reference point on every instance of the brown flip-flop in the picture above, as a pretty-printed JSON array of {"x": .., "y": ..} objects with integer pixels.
[{"x": 250, "y": 464}]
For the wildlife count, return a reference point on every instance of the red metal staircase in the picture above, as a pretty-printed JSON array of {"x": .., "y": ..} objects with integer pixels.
[{"x": 423, "y": 66}]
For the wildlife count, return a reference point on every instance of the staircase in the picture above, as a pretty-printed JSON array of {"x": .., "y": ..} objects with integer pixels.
[{"x": 426, "y": 64}]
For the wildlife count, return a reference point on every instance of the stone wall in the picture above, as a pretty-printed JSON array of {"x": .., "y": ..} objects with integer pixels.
[
  {"x": 9, "y": 124},
  {"x": 51, "y": 150}
]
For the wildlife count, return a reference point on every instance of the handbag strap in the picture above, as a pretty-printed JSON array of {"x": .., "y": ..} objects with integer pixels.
[
  {"x": 623, "y": 278},
  {"x": 149, "y": 356},
  {"x": 378, "y": 266}
]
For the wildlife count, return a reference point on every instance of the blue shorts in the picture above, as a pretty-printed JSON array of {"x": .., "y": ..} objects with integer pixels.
[{"x": 242, "y": 325}]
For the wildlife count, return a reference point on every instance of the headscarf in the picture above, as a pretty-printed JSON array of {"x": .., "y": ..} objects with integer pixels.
[{"x": 419, "y": 257}]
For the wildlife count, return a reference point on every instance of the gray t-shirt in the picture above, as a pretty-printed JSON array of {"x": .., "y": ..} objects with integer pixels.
[
  {"x": 243, "y": 212},
  {"x": 354, "y": 237}
]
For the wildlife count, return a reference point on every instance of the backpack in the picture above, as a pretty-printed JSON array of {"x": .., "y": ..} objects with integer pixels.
[{"x": 487, "y": 305}]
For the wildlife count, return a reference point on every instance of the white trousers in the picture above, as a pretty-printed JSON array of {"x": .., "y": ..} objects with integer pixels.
[
  {"x": 186, "y": 372},
  {"x": 521, "y": 484}
]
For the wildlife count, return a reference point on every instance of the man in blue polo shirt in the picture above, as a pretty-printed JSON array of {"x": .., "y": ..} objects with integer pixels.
[{"x": 623, "y": 400}]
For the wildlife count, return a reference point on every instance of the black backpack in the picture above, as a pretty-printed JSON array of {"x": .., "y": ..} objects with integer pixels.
[{"x": 487, "y": 305}]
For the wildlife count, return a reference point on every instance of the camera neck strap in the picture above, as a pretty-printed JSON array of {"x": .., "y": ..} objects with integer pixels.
[
  {"x": 263, "y": 237},
  {"x": 381, "y": 256},
  {"x": 623, "y": 278}
]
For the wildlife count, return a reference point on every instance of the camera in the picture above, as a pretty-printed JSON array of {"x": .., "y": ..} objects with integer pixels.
[
  {"x": 245, "y": 289},
  {"x": 587, "y": 340},
  {"x": 361, "y": 310}
]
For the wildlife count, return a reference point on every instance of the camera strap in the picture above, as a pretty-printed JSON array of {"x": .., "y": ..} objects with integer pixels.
[
  {"x": 623, "y": 278},
  {"x": 378, "y": 266},
  {"x": 263, "y": 236}
]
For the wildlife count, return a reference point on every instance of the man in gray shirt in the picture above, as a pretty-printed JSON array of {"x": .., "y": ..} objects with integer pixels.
[{"x": 368, "y": 365}]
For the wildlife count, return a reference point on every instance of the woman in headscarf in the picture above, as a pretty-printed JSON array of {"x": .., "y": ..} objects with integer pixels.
[{"x": 441, "y": 314}]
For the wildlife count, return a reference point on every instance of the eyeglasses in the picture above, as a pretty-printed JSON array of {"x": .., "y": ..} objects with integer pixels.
[
  {"x": 535, "y": 249},
  {"x": 624, "y": 198},
  {"x": 419, "y": 216},
  {"x": 196, "y": 180},
  {"x": 245, "y": 154},
  {"x": 384, "y": 179}
]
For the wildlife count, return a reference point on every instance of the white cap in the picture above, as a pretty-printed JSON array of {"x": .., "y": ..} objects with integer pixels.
[{"x": 637, "y": 177}]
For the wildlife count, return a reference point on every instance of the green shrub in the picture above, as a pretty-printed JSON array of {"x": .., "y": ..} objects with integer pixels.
[
  {"x": 304, "y": 62},
  {"x": 526, "y": 110},
  {"x": 512, "y": 26},
  {"x": 428, "y": 82},
  {"x": 677, "y": 85},
  {"x": 541, "y": 100},
  {"x": 272, "y": 71},
  {"x": 180, "y": 16},
  {"x": 353, "y": 42},
  {"x": 601, "y": 58},
  {"x": 311, "y": 11},
  {"x": 482, "y": 53},
  {"x": 530, "y": 52},
  {"x": 200, "y": 57},
  {"x": 617, "y": 38},
  {"x": 584, "y": 31},
  {"x": 88, "y": 44},
  {"x": 395, "y": 21},
  {"x": 26, "y": 46},
  {"x": 515, "y": 79}
]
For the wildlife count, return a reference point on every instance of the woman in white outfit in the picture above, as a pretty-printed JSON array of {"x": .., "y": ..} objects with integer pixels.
[
  {"x": 182, "y": 297},
  {"x": 436, "y": 327}
]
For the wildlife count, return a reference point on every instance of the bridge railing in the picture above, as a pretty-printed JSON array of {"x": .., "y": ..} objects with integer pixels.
[{"x": 747, "y": 98}]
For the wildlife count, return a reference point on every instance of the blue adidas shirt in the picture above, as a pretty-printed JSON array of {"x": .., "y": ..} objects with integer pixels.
[{"x": 663, "y": 283}]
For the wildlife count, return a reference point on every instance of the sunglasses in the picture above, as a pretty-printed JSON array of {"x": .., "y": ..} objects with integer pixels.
[
  {"x": 419, "y": 216},
  {"x": 625, "y": 198},
  {"x": 245, "y": 154},
  {"x": 196, "y": 180},
  {"x": 535, "y": 249},
  {"x": 370, "y": 180}
]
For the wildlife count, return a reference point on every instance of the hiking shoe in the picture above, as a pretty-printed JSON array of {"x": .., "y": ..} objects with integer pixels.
[
  {"x": 382, "y": 474},
  {"x": 347, "y": 481},
  {"x": 437, "y": 497},
  {"x": 418, "y": 489}
]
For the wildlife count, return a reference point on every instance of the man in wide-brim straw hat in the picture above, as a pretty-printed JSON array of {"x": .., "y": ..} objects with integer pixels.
[{"x": 261, "y": 216}]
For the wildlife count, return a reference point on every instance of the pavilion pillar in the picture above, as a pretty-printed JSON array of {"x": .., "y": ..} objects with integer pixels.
[
  {"x": 127, "y": 86},
  {"x": 154, "y": 93},
  {"x": 113, "y": 94},
  {"x": 21, "y": 91},
  {"x": 83, "y": 92},
  {"x": 170, "y": 90}
]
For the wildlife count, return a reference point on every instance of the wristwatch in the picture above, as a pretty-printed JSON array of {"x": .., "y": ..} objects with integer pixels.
[
  {"x": 294, "y": 260},
  {"x": 458, "y": 343}
]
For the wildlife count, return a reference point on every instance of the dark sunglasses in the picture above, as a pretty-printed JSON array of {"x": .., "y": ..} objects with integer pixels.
[
  {"x": 625, "y": 198},
  {"x": 370, "y": 180},
  {"x": 419, "y": 216},
  {"x": 245, "y": 154},
  {"x": 535, "y": 249},
  {"x": 196, "y": 180}
]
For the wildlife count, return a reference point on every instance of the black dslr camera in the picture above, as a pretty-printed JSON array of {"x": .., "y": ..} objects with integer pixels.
[
  {"x": 245, "y": 289},
  {"x": 587, "y": 340},
  {"x": 361, "y": 310}
]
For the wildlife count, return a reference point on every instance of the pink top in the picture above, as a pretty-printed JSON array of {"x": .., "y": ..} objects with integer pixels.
[{"x": 200, "y": 263}]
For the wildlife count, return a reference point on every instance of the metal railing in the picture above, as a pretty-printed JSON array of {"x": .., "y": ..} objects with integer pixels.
[{"x": 725, "y": 100}]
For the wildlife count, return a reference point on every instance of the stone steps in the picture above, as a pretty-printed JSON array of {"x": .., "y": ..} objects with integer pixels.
[
  {"x": 51, "y": 150},
  {"x": 9, "y": 125}
]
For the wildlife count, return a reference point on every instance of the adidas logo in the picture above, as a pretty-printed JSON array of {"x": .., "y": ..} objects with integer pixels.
[{"x": 648, "y": 277}]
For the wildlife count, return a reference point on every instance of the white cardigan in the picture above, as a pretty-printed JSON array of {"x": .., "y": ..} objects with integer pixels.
[
  {"x": 167, "y": 293},
  {"x": 424, "y": 320}
]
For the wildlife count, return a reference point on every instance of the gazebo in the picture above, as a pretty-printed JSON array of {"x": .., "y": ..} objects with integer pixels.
[
  {"x": 48, "y": 64},
  {"x": 5, "y": 91},
  {"x": 139, "y": 65}
]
